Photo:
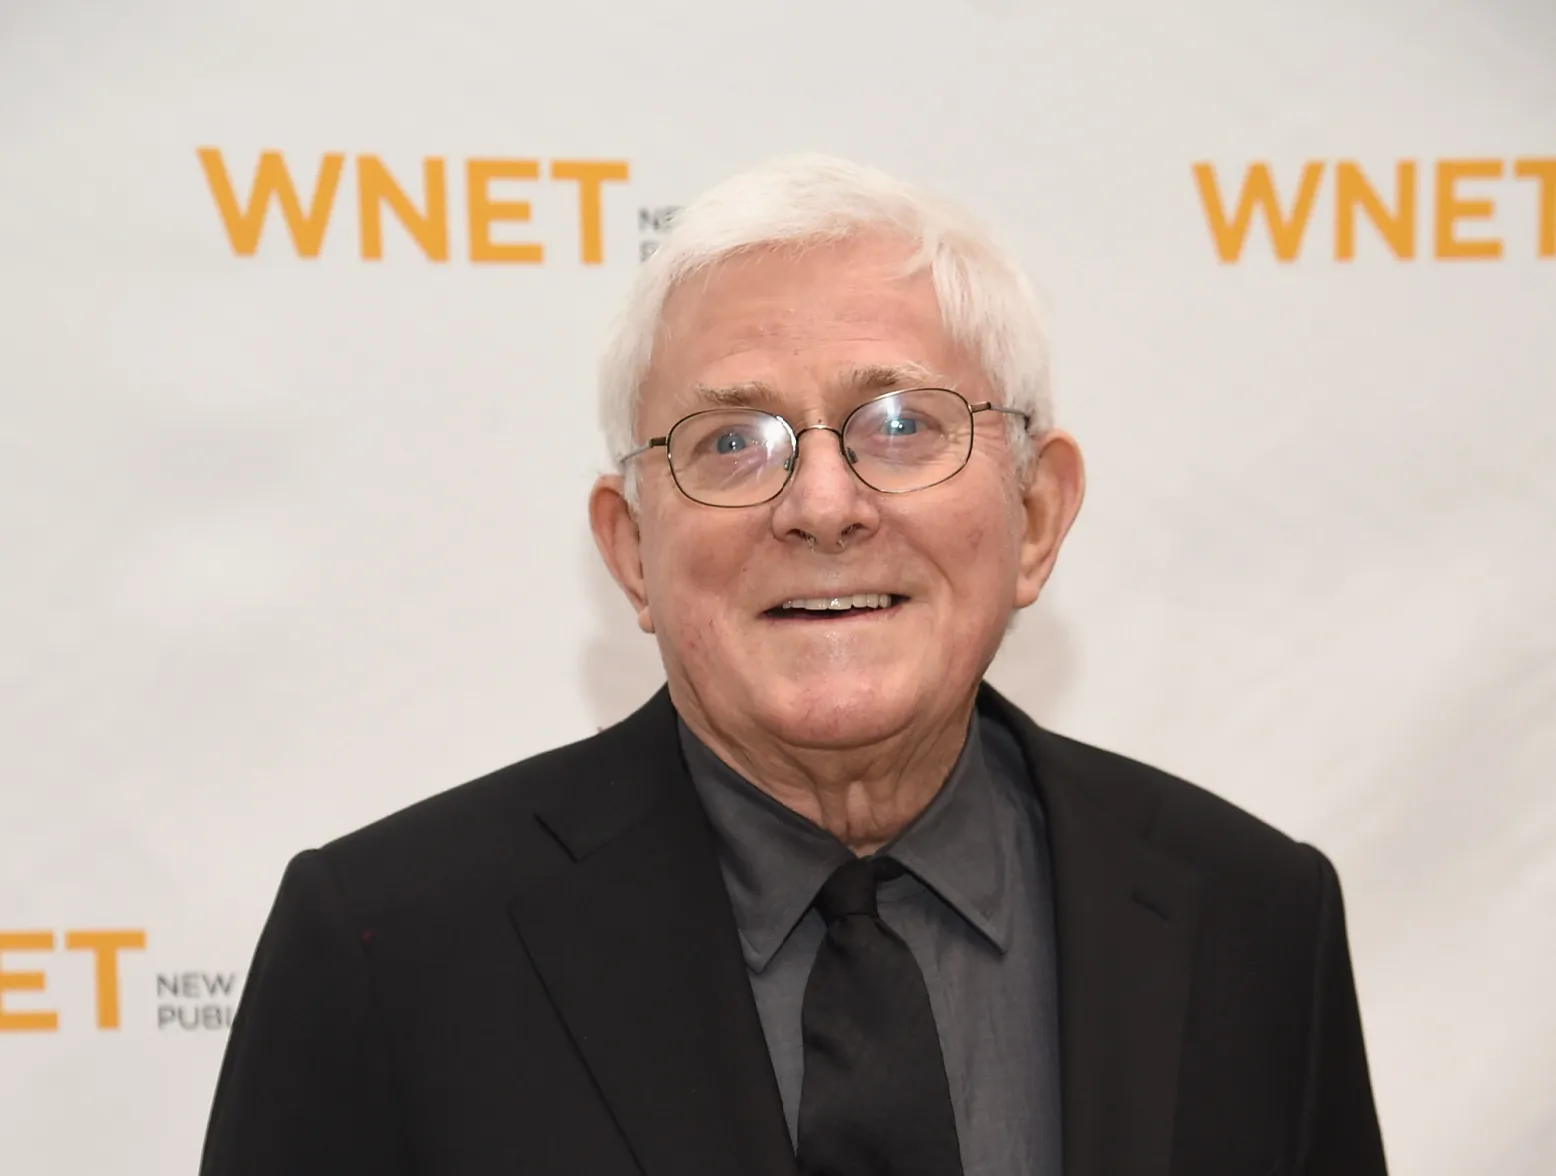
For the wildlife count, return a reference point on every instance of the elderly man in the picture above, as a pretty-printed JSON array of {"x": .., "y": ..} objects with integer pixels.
[{"x": 827, "y": 904}]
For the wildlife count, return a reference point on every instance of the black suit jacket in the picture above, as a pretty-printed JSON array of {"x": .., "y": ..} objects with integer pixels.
[{"x": 539, "y": 973}]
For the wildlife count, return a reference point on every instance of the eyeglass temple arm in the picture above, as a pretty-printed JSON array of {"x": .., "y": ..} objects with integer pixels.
[
  {"x": 988, "y": 406},
  {"x": 644, "y": 448}
]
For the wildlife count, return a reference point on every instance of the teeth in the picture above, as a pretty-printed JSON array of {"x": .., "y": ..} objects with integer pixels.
[{"x": 839, "y": 603}]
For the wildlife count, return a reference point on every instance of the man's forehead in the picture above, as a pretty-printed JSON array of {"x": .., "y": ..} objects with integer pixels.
[
  {"x": 759, "y": 293},
  {"x": 794, "y": 330}
]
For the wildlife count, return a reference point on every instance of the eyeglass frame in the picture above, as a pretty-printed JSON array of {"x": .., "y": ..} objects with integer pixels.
[{"x": 795, "y": 435}]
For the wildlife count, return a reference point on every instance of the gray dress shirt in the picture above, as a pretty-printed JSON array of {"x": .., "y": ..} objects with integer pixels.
[{"x": 975, "y": 909}]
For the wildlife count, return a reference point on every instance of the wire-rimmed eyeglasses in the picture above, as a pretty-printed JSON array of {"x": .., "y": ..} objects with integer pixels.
[{"x": 895, "y": 443}]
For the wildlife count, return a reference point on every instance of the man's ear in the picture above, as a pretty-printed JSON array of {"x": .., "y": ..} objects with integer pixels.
[
  {"x": 1051, "y": 494},
  {"x": 616, "y": 535}
]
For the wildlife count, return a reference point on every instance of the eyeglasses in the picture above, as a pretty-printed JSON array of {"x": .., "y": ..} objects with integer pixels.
[{"x": 895, "y": 443}]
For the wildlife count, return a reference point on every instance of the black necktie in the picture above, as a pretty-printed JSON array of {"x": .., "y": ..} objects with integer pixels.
[{"x": 874, "y": 1100}]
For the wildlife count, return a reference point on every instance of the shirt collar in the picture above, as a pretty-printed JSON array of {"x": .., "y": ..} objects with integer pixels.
[{"x": 774, "y": 860}]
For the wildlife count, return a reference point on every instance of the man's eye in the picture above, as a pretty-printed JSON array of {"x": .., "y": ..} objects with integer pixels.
[
  {"x": 900, "y": 427},
  {"x": 726, "y": 443}
]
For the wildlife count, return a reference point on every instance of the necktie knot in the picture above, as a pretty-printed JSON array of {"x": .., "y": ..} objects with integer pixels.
[{"x": 851, "y": 888}]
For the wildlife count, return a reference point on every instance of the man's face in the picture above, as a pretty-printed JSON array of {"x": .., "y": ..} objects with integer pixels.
[{"x": 811, "y": 335}]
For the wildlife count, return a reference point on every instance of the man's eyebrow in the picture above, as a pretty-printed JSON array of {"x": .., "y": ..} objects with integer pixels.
[
  {"x": 748, "y": 394},
  {"x": 859, "y": 378},
  {"x": 882, "y": 377}
]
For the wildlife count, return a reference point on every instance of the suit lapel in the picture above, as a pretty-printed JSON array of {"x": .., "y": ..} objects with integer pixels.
[
  {"x": 637, "y": 947},
  {"x": 1125, "y": 918}
]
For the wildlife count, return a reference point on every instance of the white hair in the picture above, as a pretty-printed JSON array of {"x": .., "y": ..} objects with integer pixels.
[{"x": 986, "y": 302}]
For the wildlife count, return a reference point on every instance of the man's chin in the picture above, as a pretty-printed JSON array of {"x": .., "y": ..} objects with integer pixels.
[{"x": 840, "y": 713}]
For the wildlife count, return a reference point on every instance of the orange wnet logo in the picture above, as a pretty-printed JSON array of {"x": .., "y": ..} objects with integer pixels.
[
  {"x": 487, "y": 199},
  {"x": 32, "y": 976},
  {"x": 1427, "y": 208}
]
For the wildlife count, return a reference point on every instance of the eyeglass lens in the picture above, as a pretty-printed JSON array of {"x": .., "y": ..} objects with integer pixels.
[{"x": 901, "y": 442}]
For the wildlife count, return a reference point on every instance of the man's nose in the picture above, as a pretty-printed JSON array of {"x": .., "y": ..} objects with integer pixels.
[{"x": 823, "y": 500}]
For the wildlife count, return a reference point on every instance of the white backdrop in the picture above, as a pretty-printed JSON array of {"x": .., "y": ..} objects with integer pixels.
[{"x": 288, "y": 542}]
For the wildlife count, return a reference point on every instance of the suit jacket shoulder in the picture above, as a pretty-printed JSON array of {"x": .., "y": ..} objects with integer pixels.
[
  {"x": 510, "y": 827},
  {"x": 1206, "y": 832}
]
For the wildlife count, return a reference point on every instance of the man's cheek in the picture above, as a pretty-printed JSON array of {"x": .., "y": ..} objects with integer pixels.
[
  {"x": 708, "y": 564},
  {"x": 699, "y": 635}
]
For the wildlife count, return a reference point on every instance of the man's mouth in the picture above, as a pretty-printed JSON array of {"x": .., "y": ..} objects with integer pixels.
[{"x": 826, "y": 608}]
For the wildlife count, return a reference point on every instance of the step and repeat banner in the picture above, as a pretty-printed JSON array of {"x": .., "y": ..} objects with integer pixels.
[{"x": 300, "y": 306}]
